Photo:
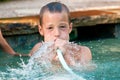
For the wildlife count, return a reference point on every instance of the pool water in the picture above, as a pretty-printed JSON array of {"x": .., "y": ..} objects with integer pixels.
[{"x": 105, "y": 52}]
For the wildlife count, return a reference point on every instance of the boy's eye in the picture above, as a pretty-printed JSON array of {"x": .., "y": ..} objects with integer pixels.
[
  {"x": 50, "y": 28},
  {"x": 62, "y": 26}
]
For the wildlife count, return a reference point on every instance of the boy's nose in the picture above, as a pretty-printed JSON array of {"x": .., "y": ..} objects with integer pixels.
[{"x": 57, "y": 33}]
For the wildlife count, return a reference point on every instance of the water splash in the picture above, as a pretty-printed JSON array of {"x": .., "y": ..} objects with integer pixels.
[{"x": 39, "y": 67}]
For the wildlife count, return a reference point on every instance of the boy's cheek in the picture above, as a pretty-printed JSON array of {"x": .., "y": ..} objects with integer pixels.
[
  {"x": 65, "y": 36},
  {"x": 49, "y": 38}
]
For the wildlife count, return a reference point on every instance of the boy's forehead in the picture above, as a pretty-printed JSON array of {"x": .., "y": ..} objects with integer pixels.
[
  {"x": 51, "y": 19},
  {"x": 63, "y": 13}
]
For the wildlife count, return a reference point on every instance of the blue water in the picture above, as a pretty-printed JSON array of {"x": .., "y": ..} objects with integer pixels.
[{"x": 106, "y": 57}]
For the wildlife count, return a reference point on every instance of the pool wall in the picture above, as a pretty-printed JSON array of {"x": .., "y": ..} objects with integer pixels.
[{"x": 86, "y": 24}]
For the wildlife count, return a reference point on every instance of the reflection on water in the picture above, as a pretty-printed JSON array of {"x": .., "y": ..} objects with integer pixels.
[{"x": 106, "y": 55}]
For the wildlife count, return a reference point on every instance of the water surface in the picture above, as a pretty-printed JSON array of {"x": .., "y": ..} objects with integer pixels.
[{"x": 105, "y": 52}]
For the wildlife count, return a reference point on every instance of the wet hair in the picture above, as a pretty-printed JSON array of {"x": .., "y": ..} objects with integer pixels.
[{"x": 53, "y": 7}]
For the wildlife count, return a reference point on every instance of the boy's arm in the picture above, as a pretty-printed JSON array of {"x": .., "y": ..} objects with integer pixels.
[{"x": 71, "y": 50}]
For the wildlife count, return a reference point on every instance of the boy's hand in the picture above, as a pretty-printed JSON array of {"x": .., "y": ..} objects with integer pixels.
[{"x": 61, "y": 44}]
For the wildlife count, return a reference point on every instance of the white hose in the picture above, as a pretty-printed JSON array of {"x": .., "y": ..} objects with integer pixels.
[{"x": 65, "y": 66}]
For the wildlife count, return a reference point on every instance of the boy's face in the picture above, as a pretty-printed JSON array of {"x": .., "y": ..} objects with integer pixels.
[{"x": 55, "y": 25}]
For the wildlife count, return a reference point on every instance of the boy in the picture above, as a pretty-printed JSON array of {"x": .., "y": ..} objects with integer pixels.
[
  {"x": 55, "y": 26},
  {"x": 7, "y": 48}
]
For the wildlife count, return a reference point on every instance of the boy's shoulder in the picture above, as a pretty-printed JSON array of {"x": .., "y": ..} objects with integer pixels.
[
  {"x": 86, "y": 53},
  {"x": 38, "y": 44},
  {"x": 35, "y": 48},
  {"x": 85, "y": 49}
]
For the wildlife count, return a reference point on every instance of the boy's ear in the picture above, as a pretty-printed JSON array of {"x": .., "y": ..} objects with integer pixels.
[
  {"x": 70, "y": 27},
  {"x": 40, "y": 30}
]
